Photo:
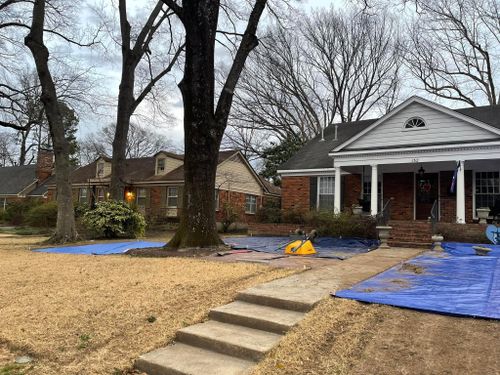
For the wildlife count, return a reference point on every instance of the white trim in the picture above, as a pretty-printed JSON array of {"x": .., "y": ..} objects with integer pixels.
[
  {"x": 305, "y": 172},
  {"x": 474, "y": 171},
  {"x": 417, "y": 99}
]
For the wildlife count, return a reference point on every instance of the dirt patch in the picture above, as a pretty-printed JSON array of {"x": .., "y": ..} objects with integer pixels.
[
  {"x": 413, "y": 268},
  {"x": 347, "y": 337},
  {"x": 84, "y": 314},
  {"x": 191, "y": 252}
]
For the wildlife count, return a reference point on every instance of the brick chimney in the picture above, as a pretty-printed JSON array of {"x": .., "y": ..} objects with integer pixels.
[{"x": 44, "y": 164}]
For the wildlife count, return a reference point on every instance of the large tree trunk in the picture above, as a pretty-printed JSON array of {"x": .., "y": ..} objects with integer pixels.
[
  {"x": 202, "y": 133},
  {"x": 65, "y": 229},
  {"x": 125, "y": 105}
]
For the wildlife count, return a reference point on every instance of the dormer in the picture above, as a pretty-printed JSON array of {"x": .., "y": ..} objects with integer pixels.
[
  {"x": 166, "y": 162},
  {"x": 103, "y": 168}
]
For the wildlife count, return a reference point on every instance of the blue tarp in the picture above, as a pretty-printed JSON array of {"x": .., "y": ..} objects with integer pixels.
[
  {"x": 102, "y": 249},
  {"x": 455, "y": 282},
  {"x": 326, "y": 247}
]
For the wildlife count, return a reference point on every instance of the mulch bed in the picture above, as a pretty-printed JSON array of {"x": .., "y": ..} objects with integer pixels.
[{"x": 190, "y": 252}]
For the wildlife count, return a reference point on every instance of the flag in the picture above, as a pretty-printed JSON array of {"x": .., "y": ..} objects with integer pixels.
[{"x": 454, "y": 179}]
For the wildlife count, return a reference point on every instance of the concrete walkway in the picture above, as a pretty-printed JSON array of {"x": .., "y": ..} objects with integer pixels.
[{"x": 241, "y": 333}]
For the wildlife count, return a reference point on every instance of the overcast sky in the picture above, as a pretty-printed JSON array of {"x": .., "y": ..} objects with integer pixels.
[{"x": 110, "y": 70}]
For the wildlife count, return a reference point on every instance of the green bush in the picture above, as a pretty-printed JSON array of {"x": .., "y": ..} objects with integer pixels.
[
  {"x": 81, "y": 209},
  {"x": 42, "y": 216},
  {"x": 113, "y": 219},
  {"x": 342, "y": 225},
  {"x": 294, "y": 217},
  {"x": 16, "y": 211},
  {"x": 270, "y": 212}
]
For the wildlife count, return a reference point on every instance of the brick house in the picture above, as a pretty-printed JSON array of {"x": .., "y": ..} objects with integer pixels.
[
  {"x": 421, "y": 154},
  {"x": 26, "y": 181},
  {"x": 154, "y": 184}
]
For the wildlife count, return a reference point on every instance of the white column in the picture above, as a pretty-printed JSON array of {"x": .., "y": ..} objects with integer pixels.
[
  {"x": 374, "y": 192},
  {"x": 337, "y": 198},
  {"x": 461, "y": 192}
]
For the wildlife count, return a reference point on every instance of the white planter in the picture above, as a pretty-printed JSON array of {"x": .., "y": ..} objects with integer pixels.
[
  {"x": 482, "y": 214},
  {"x": 437, "y": 239},
  {"x": 384, "y": 233},
  {"x": 357, "y": 210}
]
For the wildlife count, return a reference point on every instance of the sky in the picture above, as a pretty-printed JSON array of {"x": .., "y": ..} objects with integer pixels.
[{"x": 110, "y": 71}]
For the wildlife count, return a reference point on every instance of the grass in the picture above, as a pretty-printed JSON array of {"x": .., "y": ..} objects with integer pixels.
[
  {"x": 25, "y": 230},
  {"x": 77, "y": 314}
]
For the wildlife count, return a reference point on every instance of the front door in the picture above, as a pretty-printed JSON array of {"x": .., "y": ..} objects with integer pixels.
[{"x": 426, "y": 193}]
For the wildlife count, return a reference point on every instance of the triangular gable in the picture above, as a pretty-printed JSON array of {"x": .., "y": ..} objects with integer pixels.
[{"x": 382, "y": 133}]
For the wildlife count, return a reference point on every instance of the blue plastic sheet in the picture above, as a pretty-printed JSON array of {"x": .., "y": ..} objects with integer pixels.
[
  {"x": 326, "y": 247},
  {"x": 455, "y": 282},
  {"x": 102, "y": 249}
]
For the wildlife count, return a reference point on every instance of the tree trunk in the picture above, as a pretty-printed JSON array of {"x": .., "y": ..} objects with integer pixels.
[
  {"x": 125, "y": 104},
  {"x": 65, "y": 228},
  {"x": 202, "y": 133}
]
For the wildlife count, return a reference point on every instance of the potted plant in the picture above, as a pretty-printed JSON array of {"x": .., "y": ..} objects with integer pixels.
[
  {"x": 384, "y": 233},
  {"x": 482, "y": 214},
  {"x": 357, "y": 209}
]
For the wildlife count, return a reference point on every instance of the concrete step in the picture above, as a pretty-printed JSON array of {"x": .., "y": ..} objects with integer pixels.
[
  {"x": 181, "y": 359},
  {"x": 230, "y": 339},
  {"x": 255, "y": 316},
  {"x": 410, "y": 244},
  {"x": 277, "y": 301}
]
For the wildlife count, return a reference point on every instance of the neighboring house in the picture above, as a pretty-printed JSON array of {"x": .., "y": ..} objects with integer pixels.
[
  {"x": 155, "y": 184},
  {"x": 420, "y": 153},
  {"x": 26, "y": 181}
]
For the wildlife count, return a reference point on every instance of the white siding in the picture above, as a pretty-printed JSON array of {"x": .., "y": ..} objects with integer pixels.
[
  {"x": 441, "y": 128},
  {"x": 234, "y": 175},
  {"x": 170, "y": 163}
]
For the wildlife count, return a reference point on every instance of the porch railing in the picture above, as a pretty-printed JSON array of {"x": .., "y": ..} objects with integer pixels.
[
  {"x": 434, "y": 216},
  {"x": 384, "y": 216}
]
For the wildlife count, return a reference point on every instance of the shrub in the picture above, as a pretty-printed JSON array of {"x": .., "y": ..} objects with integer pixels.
[
  {"x": 342, "y": 225},
  {"x": 16, "y": 211},
  {"x": 270, "y": 212},
  {"x": 230, "y": 215},
  {"x": 294, "y": 217},
  {"x": 81, "y": 209},
  {"x": 113, "y": 219},
  {"x": 43, "y": 216}
]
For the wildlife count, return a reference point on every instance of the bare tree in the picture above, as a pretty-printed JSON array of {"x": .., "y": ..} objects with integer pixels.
[
  {"x": 136, "y": 48},
  {"x": 331, "y": 66},
  {"x": 454, "y": 49},
  {"x": 141, "y": 141},
  {"x": 8, "y": 154},
  {"x": 205, "y": 118}
]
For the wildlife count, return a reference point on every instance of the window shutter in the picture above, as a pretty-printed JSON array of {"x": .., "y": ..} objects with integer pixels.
[
  {"x": 180, "y": 196},
  {"x": 313, "y": 192}
]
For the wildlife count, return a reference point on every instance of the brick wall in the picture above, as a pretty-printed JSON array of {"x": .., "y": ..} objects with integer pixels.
[
  {"x": 295, "y": 193},
  {"x": 352, "y": 190},
  {"x": 400, "y": 187},
  {"x": 448, "y": 203},
  {"x": 44, "y": 164},
  {"x": 238, "y": 201}
]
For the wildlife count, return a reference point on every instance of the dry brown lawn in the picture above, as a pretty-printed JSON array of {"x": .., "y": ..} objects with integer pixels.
[
  {"x": 78, "y": 314},
  {"x": 348, "y": 337}
]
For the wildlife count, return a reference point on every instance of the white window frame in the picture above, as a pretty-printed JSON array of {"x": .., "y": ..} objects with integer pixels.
[
  {"x": 100, "y": 171},
  {"x": 250, "y": 205},
  {"x": 474, "y": 201},
  {"x": 99, "y": 190},
  {"x": 141, "y": 195},
  {"x": 425, "y": 127},
  {"x": 172, "y": 196},
  {"x": 368, "y": 179},
  {"x": 318, "y": 190},
  {"x": 81, "y": 197},
  {"x": 164, "y": 160}
]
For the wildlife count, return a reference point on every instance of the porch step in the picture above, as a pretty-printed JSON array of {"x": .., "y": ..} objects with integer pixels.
[
  {"x": 229, "y": 339},
  {"x": 410, "y": 244},
  {"x": 180, "y": 359},
  {"x": 265, "y": 318},
  {"x": 410, "y": 234}
]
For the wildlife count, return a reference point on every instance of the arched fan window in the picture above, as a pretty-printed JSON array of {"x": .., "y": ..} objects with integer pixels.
[{"x": 415, "y": 123}]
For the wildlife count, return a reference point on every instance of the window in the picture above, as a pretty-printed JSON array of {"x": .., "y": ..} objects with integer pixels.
[
  {"x": 250, "y": 204},
  {"x": 415, "y": 123},
  {"x": 141, "y": 197},
  {"x": 367, "y": 191},
  {"x": 82, "y": 195},
  {"x": 487, "y": 188},
  {"x": 100, "y": 169},
  {"x": 326, "y": 191},
  {"x": 216, "y": 200},
  {"x": 160, "y": 166},
  {"x": 172, "y": 196},
  {"x": 100, "y": 194}
]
